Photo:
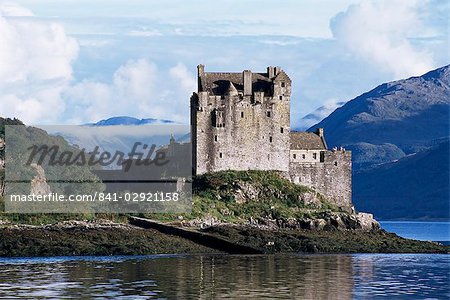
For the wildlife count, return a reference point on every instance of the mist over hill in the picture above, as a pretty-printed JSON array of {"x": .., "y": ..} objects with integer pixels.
[
  {"x": 318, "y": 115},
  {"x": 124, "y": 120}
]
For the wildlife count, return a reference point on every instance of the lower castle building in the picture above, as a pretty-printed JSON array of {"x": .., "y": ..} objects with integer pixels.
[{"x": 241, "y": 121}]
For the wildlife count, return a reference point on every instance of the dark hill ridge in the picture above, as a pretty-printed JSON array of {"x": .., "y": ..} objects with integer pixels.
[
  {"x": 415, "y": 187},
  {"x": 397, "y": 133}
]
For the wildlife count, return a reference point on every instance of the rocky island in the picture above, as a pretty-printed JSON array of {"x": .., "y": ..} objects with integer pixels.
[{"x": 252, "y": 211}]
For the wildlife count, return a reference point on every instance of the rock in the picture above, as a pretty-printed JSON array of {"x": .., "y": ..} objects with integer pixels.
[
  {"x": 267, "y": 223},
  {"x": 205, "y": 222},
  {"x": 244, "y": 192},
  {"x": 367, "y": 221},
  {"x": 2, "y": 222},
  {"x": 337, "y": 222},
  {"x": 320, "y": 224},
  {"x": 309, "y": 198},
  {"x": 306, "y": 224},
  {"x": 39, "y": 185},
  {"x": 328, "y": 221}
]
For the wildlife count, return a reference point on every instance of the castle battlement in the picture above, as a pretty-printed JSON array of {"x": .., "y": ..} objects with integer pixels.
[{"x": 241, "y": 121}]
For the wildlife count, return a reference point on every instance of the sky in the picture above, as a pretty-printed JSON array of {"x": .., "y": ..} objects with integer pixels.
[{"x": 76, "y": 62}]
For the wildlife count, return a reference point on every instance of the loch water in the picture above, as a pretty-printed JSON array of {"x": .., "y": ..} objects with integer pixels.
[
  {"x": 423, "y": 231},
  {"x": 357, "y": 276},
  {"x": 340, "y": 276}
]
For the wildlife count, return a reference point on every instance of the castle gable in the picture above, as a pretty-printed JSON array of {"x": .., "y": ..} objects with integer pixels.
[
  {"x": 306, "y": 141},
  {"x": 282, "y": 76}
]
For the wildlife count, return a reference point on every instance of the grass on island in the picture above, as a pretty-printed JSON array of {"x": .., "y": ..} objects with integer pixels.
[{"x": 214, "y": 196}]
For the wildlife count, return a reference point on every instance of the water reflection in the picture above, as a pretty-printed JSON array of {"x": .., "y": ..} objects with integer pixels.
[{"x": 222, "y": 277}]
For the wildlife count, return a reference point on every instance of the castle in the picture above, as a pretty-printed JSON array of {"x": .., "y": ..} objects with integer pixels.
[{"x": 241, "y": 121}]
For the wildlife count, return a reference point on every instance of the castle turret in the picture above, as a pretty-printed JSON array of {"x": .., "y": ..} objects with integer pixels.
[
  {"x": 247, "y": 74},
  {"x": 319, "y": 132},
  {"x": 277, "y": 70},
  {"x": 200, "y": 74},
  {"x": 281, "y": 85},
  {"x": 200, "y": 70},
  {"x": 270, "y": 72}
]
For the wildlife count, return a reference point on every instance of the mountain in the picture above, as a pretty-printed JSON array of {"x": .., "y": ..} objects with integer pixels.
[
  {"x": 366, "y": 155},
  {"x": 123, "y": 120},
  {"x": 408, "y": 113},
  {"x": 397, "y": 133}
]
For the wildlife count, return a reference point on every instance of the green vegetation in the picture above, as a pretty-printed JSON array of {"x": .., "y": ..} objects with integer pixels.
[
  {"x": 43, "y": 219},
  {"x": 238, "y": 196},
  {"x": 229, "y": 196}
]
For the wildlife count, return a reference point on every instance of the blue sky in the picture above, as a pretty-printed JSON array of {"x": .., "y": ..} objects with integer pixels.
[{"x": 72, "y": 62}]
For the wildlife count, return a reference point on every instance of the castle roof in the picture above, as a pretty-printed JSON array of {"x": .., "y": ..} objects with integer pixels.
[
  {"x": 218, "y": 83},
  {"x": 306, "y": 141}
]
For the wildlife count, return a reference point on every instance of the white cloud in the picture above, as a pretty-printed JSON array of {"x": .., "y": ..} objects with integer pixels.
[
  {"x": 138, "y": 89},
  {"x": 304, "y": 18},
  {"x": 379, "y": 32},
  {"x": 37, "y": 55},
  {"x": 184, "y": 77},
  {"x": 320, "y": 113},
  {"x": 36, "y": 65},
  {"x": 36, "y": 78},
  {"x": 9, "y": 9}
]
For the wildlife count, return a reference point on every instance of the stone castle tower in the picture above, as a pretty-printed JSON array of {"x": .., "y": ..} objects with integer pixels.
[{"x": 241, "y": 121}]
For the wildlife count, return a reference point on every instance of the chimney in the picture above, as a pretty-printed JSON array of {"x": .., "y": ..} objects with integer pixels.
[
  {"x": 270, "y": 72},
  {"x": 277, "y": 70},
  {"x": 319, "y": 132},
  {"x": 247, "y": 82},
  {"x": 201, "y": 70}
]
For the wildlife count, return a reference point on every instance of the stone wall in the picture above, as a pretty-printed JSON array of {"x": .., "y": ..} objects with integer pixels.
[{"x": 332, "y": 177}]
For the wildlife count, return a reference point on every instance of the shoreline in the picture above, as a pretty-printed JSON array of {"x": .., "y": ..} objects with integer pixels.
[{"x": 105, "y": 238}]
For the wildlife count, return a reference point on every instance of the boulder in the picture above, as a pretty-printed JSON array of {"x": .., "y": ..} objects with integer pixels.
[{"x": 39, "y": 185}]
